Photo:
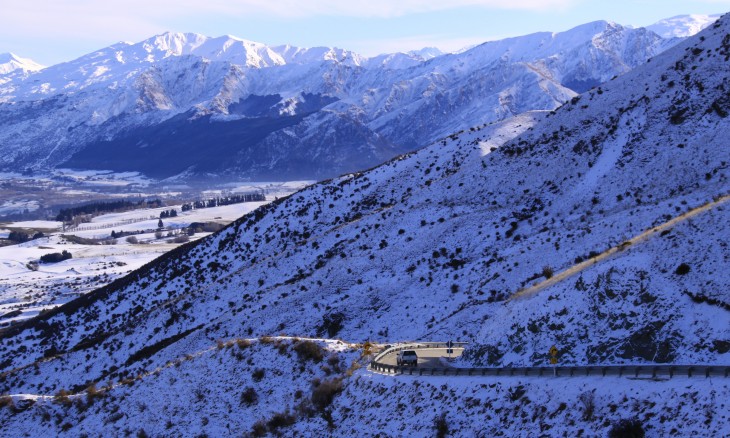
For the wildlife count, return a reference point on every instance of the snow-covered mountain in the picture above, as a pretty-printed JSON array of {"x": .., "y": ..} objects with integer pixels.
[
  {"x": 682, "y": 26},
  {"x": 10, "y": 63},
  {"x": 286, "y": 112},
  {"x": 433, "y": 245}
]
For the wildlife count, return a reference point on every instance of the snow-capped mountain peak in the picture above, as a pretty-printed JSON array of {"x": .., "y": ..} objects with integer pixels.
[
  {"x": 9, "y": 62},
  {"x": 391, "y": 103},
  {"x": 427, "y": 52},
  {"x": 682, "y": 26}
]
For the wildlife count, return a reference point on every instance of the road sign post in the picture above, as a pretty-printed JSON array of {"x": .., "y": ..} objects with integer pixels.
[
  {"x": 554, "y": 359},
  {"x": 449, "y": 348}
]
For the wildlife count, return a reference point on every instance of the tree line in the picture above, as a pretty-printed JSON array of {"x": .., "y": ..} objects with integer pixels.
[{"x": 227, "y": 200}]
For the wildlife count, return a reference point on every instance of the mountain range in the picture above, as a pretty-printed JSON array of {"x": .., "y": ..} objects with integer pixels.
[
  {"x": 620, "y": 195},
  {"x": 173, "y": 105}
]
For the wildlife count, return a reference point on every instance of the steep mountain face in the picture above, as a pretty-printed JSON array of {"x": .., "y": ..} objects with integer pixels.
[
  {"x": 100, "y": 111},
  {"x": 437, "y": 245}
]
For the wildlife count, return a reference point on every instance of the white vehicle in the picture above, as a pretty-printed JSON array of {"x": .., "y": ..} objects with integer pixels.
[{"x": 407, "y": 358}]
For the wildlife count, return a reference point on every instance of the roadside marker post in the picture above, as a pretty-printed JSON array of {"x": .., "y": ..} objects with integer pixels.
[
  {"x": 449, "y": 348},
  {"x": 554, "y": 359}
]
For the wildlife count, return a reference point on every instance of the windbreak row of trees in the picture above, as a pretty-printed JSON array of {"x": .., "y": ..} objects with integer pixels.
[{"x": 227, "y": 200}]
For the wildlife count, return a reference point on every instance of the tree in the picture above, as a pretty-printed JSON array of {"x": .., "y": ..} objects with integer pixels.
[
  {"x": 160, "y": 224},
  {"x": 55, "y": 257}
]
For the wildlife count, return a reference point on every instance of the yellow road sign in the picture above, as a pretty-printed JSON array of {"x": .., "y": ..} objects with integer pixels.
[
  {"x": 553, "y": 360},
  {"x": 553, "y": 351}
]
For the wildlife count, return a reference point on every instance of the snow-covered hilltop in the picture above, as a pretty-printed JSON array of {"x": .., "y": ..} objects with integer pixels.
[
  {"x": 682, "y": 26},
  {"x": 434, "y": 245},
  {"x": 287, "y": 112},
  {"x": 10, "y": 62}
]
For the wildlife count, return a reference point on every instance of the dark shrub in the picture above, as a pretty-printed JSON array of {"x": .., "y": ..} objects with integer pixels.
[
  {"x": 626, "y": 428},
  {"x": 7, "y": 402},
  {"x": 281, "y": 419},
  {"x": 325, "y": 392},
  {"x": 259, "y": 429},
  {"x": 682, "y": 269},
  {"x": 55, "y": 257},
  {"x": 243, "y": 343},
  {"x": 589, "y": 406},
  {"x": 308, "y": 350},
  {"x": 249, "y": 396},
  {"x": 181, "y": 239},
  {"x": 61, "y": 397},
  {"x": 332, "y": 323},
  {"x": 18, "y": 236},
  {"x": 441, "y": 426},
  {"x": 258, "y": 374}
]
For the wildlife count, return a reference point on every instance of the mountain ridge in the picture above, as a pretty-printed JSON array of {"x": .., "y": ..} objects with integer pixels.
[{"x": 395, "y": 103}]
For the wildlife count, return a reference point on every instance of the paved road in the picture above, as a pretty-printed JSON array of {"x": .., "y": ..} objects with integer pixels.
[
  {"x": 427, "y": 357},
  {"x": 430, "y": 363}
]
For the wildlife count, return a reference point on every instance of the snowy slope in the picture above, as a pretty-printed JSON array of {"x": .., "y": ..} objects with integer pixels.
[
  {"x": 682, "y": 26},
  {"x": 431, "y": 246},
  {"x": 257, "y": 103},
  {"x": 10, "y": 62}
]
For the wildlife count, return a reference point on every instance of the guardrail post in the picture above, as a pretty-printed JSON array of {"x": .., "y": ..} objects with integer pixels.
[
  {"x": 727, "y": 371},
  {"x": 603, "y": 371},
  {"x": 653, "y": 372},
  {"x": 620, "y": 371},
  {"x": 707, "y": 371},
  {"x": 636, "y": 371},
  {"x": 689, "y": 372},
  {"x": 671, "y": 372},
  {"x": 572, "y": 370},
  {"x": 588, "y": 370},
  {"x": 511, "y": 371}
]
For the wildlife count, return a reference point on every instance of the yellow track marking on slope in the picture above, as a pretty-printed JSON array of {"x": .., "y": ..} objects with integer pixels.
[{"x": 611, "y": 251}]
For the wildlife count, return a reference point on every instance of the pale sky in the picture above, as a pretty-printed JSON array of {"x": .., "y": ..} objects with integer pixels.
[{"x": 53, "y": 31}]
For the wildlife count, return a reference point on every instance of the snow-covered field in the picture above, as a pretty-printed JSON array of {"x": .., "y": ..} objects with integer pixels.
[{"x": 92, "y": 266}]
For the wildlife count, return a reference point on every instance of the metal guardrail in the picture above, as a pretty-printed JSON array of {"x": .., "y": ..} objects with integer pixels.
[{"x": 635, "y": 371}]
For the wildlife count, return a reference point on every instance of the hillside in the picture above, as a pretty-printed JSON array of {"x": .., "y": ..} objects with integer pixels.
[
  {"x": 433, "y": 245},
  {"x": 173, "y": 104}
]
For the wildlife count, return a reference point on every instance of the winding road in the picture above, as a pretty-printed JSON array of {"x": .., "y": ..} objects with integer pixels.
[{"x": 432, "y": 362}]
